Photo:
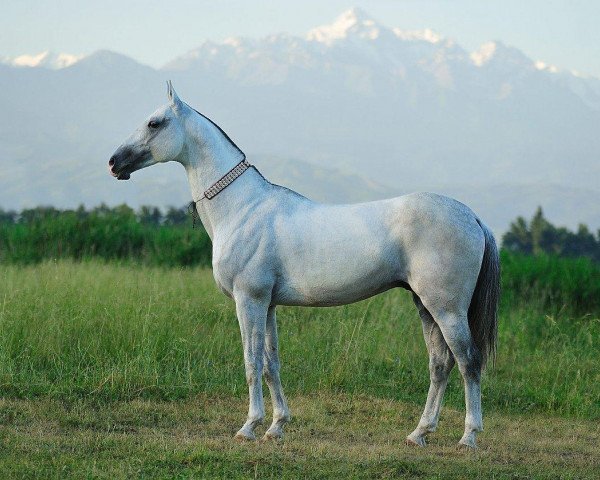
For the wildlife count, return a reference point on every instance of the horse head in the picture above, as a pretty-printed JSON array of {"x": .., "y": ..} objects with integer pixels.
[{"x": 159, "y": 139}]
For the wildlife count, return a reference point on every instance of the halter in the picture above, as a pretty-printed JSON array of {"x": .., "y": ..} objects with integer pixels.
[{"x": 220, "y": 185}]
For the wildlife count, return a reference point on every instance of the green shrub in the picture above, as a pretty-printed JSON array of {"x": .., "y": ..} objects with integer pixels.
[
  {"x": 109, "y": 234},
  {"x": 551, "y": 282}
]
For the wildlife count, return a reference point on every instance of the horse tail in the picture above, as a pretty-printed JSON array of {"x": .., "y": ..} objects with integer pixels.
[{"x": 483, "y": 310}]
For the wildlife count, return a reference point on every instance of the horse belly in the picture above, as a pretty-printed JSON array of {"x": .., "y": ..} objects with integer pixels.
[{"x": 337, "y": 273}]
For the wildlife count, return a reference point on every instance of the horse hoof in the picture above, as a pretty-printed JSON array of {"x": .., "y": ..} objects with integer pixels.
[
  {"x": 244, "y": 437},
  {"x": 415, "y": 441},
  {"x": 467, "y": 445},
  {"x": 272, "y": 436}
]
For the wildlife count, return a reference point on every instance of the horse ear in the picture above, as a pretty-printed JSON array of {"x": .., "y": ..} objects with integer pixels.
[{"x": 172, "y": 96}]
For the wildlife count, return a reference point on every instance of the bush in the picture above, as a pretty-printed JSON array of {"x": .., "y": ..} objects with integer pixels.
[
  {"x": 551, "y": 282},
  {"x": 107, "y": 233}
]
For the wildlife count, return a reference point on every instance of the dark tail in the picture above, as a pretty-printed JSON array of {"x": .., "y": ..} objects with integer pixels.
[{"x": 483, "y": 311}]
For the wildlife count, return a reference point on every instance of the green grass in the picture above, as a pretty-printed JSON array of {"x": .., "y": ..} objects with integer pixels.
[
  {"x": 138, "y": 371},
  {"x": 551, "y": 283},
  {"x": 72, "y": 330}
]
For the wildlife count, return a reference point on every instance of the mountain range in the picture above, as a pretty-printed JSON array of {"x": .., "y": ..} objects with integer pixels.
[{"x": 351, "y": 111}]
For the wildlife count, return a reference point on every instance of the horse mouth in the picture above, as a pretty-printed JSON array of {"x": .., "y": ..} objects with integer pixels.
[{"x": 122, "y": 174}]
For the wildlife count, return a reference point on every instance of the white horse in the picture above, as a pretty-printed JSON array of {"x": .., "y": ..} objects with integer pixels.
[{"x": 272, "y": 246}]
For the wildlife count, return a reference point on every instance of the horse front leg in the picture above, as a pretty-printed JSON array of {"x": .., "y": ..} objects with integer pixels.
[
  {"x": 281, "y": 413},
  {"x": 252, "y": 317}
]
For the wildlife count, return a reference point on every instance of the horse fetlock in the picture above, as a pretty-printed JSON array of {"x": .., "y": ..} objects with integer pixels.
[
  {"x": 428, "y": 428},
  {"x": 275, "y": 431},
  {"x": 473, "y": 428},
  {"x": 255, "y": 420},
  {"x": 473, "y": 424},
  {"x": 281, "y": 418}
]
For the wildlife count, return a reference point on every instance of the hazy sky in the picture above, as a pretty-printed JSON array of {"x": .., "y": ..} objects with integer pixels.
[{"x": 561, "y": 32}]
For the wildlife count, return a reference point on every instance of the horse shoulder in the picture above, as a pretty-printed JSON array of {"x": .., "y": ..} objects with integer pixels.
[{"x": 243, "y": 261}]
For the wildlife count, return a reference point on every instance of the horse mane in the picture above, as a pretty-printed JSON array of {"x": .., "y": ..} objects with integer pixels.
[{"x": 232, "y": 143}]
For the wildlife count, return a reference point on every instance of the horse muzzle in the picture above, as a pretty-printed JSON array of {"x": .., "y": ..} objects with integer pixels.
[{"x": 127, "y": 160}]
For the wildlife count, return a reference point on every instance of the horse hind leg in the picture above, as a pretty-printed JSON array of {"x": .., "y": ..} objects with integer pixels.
[
  {"x": 441, "y": 362},
  {"x": 456, "y": 332}
]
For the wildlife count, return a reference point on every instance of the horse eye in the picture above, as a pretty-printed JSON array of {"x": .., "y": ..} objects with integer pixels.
[{"x": 153, "y": 124}]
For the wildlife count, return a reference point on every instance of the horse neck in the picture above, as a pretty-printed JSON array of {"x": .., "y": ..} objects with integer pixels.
[{"x": 209, "y": 155}]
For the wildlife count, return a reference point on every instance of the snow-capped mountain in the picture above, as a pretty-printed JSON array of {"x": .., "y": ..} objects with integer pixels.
[
  {"x": 354, "y": 23},
  {"x": 364, "y": 48},
  {"x": 352, "y": 41},
  {"x": 407, "y": 109}
]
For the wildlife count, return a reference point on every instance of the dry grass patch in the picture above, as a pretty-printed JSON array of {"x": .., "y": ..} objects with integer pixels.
[{"x": 331, "y": 436}]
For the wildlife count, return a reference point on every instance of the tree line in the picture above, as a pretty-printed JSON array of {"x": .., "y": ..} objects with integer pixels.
[
  {"x": 148, "y": 235},
  {"x": 146, "y": 215},
  {"x": 540, "y": 237}
]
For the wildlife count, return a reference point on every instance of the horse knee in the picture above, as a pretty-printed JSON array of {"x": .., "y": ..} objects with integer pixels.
[
  {"x": 252, "y": 374},
  {"x": 271, "y": 371},
  {"x": 270, "y": 374}
]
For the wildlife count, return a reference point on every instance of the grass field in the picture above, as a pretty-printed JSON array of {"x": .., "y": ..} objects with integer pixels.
[
  {"x": 123, "y": 371},
  {"x": 331, "y": 436}
]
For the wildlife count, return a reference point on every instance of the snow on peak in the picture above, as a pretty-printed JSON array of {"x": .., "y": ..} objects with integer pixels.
[
  {"x": 45, "y": 59},
  {"x": 233, "y": 42},
  {"x": 498, "y": 52},
  {"x": 426, "y": 35},
  {"x": 29, "y": 60},
  {"x": 578, "y": 74},
  {"x": 546, "y": 67},
  {"x": 353, "y": 16},
  {"x": 484, "y": 54},
  {"x": 352, "y": 22}
]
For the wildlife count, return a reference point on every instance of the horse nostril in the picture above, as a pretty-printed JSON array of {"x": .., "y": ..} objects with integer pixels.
[{"x": 111, "y": 162}]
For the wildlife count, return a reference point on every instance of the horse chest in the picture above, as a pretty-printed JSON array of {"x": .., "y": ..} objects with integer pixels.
[
  {"x": 242, "y": 264},
  {"x": 224, "y": 274}
]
